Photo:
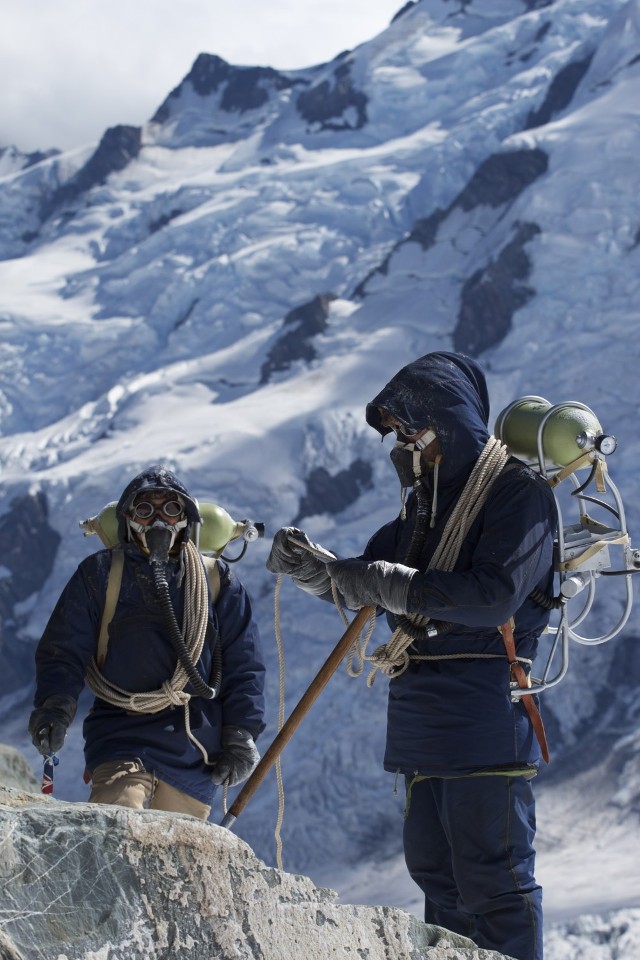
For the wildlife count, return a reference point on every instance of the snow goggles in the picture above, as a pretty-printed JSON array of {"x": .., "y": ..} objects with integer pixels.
[{"x": 145, "y": 509}]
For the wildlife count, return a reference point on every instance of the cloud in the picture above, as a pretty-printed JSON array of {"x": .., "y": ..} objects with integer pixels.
[{"x": 71, "y": 68}]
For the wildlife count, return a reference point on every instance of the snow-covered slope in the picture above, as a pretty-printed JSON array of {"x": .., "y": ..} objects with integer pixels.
[{"x": 226, "y": 287}]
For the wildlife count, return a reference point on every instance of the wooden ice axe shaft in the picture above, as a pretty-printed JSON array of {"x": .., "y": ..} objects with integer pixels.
[{"x": 303, "y": 706}]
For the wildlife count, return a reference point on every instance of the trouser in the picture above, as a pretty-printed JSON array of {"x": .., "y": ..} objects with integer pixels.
[
  {"x": 468, "y": 846},
  {"x": 127, "y": 783}
]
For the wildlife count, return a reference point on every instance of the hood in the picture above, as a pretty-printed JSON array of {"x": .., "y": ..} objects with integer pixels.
[
  {"x": 445, "y": 391},
  {"x": 156, "y": 477}
]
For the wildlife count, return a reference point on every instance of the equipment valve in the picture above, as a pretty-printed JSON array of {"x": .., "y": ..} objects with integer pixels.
[{"x": 252, "y": 531}]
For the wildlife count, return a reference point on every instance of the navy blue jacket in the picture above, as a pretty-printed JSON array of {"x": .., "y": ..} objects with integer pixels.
[
  {"x": 140, "y": 657},
  {"x": 453, "y": 717}
]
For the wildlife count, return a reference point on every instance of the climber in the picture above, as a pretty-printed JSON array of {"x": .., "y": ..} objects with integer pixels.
[
  {"x": 158, "y": 734},
  {"x": 473, "y": 539}
]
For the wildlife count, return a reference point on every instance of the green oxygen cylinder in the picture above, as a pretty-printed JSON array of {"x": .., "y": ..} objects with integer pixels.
[
  {"x": 218, "y": 528},
  {"x": 569, "y": 430},
  {"x": 105, "y": 524}
]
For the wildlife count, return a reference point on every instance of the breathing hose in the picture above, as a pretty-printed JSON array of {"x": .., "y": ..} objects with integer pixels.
[
  {"x": 158, "y": 541},
  {"x": 201, "y": 688}
]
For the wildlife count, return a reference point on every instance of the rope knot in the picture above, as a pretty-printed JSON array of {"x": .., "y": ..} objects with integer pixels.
[{"x": 177, "y": 698}]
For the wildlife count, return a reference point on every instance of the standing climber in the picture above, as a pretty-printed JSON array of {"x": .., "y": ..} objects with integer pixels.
[
  {"x": 169, "y": 722},
  {"x": 454, "y": 573}
]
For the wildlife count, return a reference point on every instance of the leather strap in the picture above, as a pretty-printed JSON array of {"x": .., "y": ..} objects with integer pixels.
[
  {"x": 521, "y": 677},
  {"x": 111, "y": 599}
]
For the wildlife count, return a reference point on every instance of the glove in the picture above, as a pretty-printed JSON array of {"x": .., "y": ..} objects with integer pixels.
[
  {"x": 48, "y": 723},
  {"x": 307, "y": 571},
  {"x": 379, "y": 583},
  {"x": 238, "y": 757}
]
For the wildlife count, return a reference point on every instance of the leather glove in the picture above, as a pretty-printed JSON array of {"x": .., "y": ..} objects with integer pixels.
[
  {"x": 307, "y": 571},
  {"x": 238, "y": 757},
  {"x": 48, "y": 723},
  {"x": 378, "y": 583}
]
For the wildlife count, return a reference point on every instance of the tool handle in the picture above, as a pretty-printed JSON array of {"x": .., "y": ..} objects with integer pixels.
[
  {"x": 50, "y": 762},
  {"x": 303, "y": 706},
  {"x": 319, "y": 552}
]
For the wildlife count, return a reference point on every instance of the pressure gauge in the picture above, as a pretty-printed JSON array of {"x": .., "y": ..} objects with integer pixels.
[{"x": 606, "y": 444}]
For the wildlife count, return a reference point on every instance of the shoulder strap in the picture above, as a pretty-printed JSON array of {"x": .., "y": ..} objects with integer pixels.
[
  {"x": 114, "y": 580},
  {"x": 213, "y": 575}
]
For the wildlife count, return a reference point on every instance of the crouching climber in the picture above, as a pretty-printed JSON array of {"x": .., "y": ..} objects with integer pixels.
[
  {"x": 177, "y": 709},
  {"x": 472, "y": 542}
]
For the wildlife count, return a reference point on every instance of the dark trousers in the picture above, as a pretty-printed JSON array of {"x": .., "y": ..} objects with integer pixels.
[{"x": 468, "y": 846}]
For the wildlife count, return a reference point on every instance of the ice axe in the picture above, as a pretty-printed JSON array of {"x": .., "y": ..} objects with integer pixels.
[{"x": 303, "y": 706}]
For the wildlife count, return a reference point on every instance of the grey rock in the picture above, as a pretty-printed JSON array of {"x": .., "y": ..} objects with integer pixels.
[
  {"x": 118, "y": 146},
  {"x": 30, "y": 546},
  {"x": 491, "y": 296},
  {"x": 561, "y": 92},
  {"x": 300, "y": 325},
  {"x": 332, "y": 494},
  {"x": 15, "y": 772},
  {"x": 326, "y": 104},
  {"x": 83, "y": 881}
]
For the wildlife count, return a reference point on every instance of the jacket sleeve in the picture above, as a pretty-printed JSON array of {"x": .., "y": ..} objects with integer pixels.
[
  {"x": 242, "y": 691},
  {"x": 70, "y": 637},
  {"x": 513, "y": 554}
]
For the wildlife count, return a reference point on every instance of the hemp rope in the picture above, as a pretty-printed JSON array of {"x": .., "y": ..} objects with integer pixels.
[
  {"x": 392, "y": 658},
  {"x": 281, "y": 672},
  {"x": 172, "y": 692}
]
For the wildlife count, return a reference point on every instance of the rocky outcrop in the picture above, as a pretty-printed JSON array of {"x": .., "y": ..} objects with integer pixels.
[
  {"x": 561, "y": 92},
  {"x": 118, "y": 146},
  {"x": 334, "y": 104},
  {"x": 240, "y": 88},
  {"x": 332, "y": 494},
  {"x": 491, "y": 296},
  {"x": 29, "y": 548},
  {"x": 84, "y": 881},
  {"x": 301, "y": 325}
]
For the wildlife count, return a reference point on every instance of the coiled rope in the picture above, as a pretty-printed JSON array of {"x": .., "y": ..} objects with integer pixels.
[
  {"x": 281, "y": 704},
  {"x": 392, "y": 658},
  {"x": 172, "y": 692}
]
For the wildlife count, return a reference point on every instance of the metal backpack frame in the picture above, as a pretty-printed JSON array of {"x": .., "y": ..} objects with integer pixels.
[{"x": 581, "y": 548}]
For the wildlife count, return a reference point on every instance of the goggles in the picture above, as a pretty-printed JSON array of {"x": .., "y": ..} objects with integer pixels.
[
  {"x": 421, "y": 439},
  {"x": 145, "y": 509}
]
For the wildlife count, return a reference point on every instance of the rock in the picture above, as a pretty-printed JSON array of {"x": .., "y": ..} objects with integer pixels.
[
  {"x": 30, "y": 546},
  {"x": 15, "y": 772},
  {"x": 84, "y": 882}
]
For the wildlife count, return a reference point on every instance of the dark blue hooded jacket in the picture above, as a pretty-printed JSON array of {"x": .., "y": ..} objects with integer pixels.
[
  {"x": 452, "y": 717},
  {"x": 140, "y": 657}
]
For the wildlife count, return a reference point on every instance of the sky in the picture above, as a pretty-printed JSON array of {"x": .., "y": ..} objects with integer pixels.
[{"x": 71, "y": 68}]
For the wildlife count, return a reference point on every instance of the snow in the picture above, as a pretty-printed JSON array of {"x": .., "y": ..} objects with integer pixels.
[{"x": 135, "y": 330}]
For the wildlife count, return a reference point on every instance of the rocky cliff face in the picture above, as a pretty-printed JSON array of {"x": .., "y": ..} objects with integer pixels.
[{"x": 83, "y": 881}]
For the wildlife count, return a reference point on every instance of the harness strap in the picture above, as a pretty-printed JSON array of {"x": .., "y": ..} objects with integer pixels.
[
  {"x": 114, "y": 582},
  {"x": 213, "y": 575},
  {"x": 522, "y": 679}
]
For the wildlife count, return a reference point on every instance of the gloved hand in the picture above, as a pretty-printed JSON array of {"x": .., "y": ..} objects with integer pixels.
[
  {"x": 48, "y": 723},
  {"x": 308, "y": 572},
  {"x": 378, "y": 583},
  {"x": 238, "y": 757}
]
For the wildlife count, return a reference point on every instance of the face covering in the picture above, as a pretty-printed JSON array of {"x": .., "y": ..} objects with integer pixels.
[{"x": 407, "y": 458}]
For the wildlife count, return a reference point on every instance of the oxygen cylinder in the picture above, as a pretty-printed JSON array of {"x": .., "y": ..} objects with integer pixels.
[
  {"x": 570, "y": 430},
  {"x": 218, "y": 528},
  {"x": 105, "y": 524}
]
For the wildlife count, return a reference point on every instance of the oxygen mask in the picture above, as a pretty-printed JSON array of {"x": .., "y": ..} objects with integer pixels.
[
  {"x": 156, "y": 525},
  {"x": 406, "y": 455},
  {"x": 159, "y": 538}
]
